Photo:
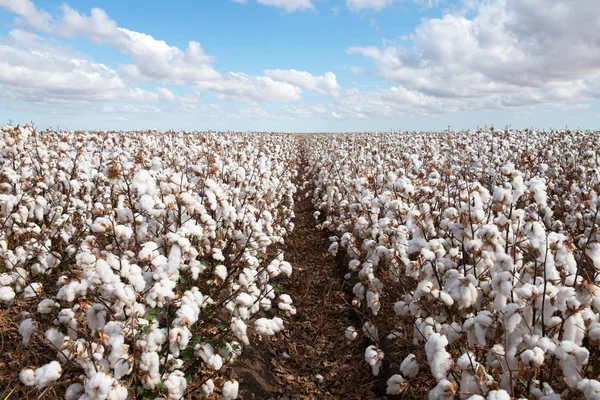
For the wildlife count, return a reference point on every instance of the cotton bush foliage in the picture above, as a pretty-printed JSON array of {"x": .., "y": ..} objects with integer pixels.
[
  {"x": 481, "y": 247},
  {"x": 145, "y": 256}
]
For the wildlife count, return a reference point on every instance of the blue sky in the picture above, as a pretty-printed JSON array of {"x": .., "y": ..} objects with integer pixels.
[{"x": 300, "y": 65}]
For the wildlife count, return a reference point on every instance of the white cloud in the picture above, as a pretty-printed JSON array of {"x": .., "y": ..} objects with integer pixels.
[
  {"x": 165, "y": 94},
  {"x": 131, "y": 109},
  {"x": 46, "y": 75},
  {"x": 37, "y": 19},
  {"x": 326, "y": 84},
  {"x": 376, "y": 5},
  {"x": 156, "y": 61},
  {"x": 303, "y": 111},
  {"x": 253, "y": 89},
  {"x": 512, "y": 53},
  {"x": 289, "y": 6}
]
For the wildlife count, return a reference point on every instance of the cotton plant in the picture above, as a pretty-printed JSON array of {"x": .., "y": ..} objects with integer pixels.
[
  {"x": 493, "y": 237},
  {"x": 158, "y": 242}
]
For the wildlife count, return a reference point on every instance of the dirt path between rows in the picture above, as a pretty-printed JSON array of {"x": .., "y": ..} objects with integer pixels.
[{"x": 311, "y": 359}]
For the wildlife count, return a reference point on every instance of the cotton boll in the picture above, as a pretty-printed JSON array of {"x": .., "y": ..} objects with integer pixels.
[
  {"x": 445, "y": 390},
  {"x": 32, "y": 290},
  {"x": 7, "y": 294},
  {"x": 410, "y": 366},
  {"x": 46, "y": 306},
  {"x": 572, "y": 359},
  {"x": 74, "y": 391},
  {"x": 26, "y": 329},
  {"x": 221, "y": 272},
  {"x": 374, "y": 357},
  {"x": 370, "y": 331},
  {"x": 440, "y": 361},
  {"x": 239, "y": 328},
  {"x": 268, "y": 327},
  {"x": 498, "y": 395},
  {"x": 394, "y": 384},
  {"x": 55, "y": 337},
  {"x": 175, "y": 385},
  {"x": 47, "y": 374},
  {"x": 590, "y": 388},
  {"x": 98, "y": 386},
  {"x": 350, "y": 333},
  {"x": 149, "y": 365},
  {"x": 96, "y": 316},
  {"x": 533, "y": 357},
  {"x": 285, "y": 304},
  {"x": 27, "y": 377},
  {"x": 207, "y": 388},
  {"x": 230, "y": 390}
]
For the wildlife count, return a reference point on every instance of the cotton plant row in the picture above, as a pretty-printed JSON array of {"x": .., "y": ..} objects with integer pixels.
[
  {"x": 144, "y": 260},
  {"x": 478, "y": 253}
]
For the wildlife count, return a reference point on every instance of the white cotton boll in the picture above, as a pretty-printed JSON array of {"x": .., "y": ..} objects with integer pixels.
[
  {"x": 7, "y": 294},
  {"x": 285, "y": 304},
  {"x": 353, "y": 265},
  {"x": 74, "y": 391},
  {"x": 55, "y": 337},
  {"x": 350, "y": 333},
  {"x": 207, "y": 388},
  {"x": 268, "y": 327},
  {"x": 26, "y": 329},
  {"x": 444, "y": 390},
  {"x": 98, "y": 386},
  {"x": 175, "y": 385},
  {"x": 594, "y": 331},
  {"x": 144, "y": 183},
  {"x": 394, "y": 384},
  {"x": 122, "y": 368},
  {"x": 410, "y": 366},
  {"x": 46, "y": 306},
  {"x": 208, "y": 355},
  {"x": 96, "y": 316},
  {"x": 498, "y": 395},
  {"x": 221, "y": 272},
  {"x": 440, "y": 361},
  {"x": 533, "y": 357},
  {"x": 374, "y": 357},
  {"x": 123, "y": 232},
  {"x": 239, "y": 329},
  {"x": 285, "y": 268},
  {"x": 27, "y": 377},
  {"x": 149, "y": 364},
  {"x": 370, "y": 331},
  {"x": 590, "y": 388},
  {"x": 32, "y": 290},
  {"x": 373, "y": 300},
  {"x": 572, "y": 359},
  {"x": 47, "y": 374},
  {"x": 574, "y": 329},
  {"x": 230, "y": 390},
  {"x": 118, "y": 392}
]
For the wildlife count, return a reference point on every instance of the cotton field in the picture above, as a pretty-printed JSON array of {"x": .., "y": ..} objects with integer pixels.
[
  {"x": 146, "y": 263},
  {"x": 142, "y": 259},
  {"x": 474, "y": 257}
]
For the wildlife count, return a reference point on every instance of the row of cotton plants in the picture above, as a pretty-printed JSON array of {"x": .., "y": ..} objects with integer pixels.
[
  {"x": 143, "y": 261},
  {"x": 474, "y": 257}
]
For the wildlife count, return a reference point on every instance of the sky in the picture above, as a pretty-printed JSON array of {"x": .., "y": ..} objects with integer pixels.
[{"x": 300, "y": 65}]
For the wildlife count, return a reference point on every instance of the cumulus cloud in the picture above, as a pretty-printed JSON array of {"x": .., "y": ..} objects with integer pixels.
[
  {"x": 32, "y": 17},
  {"x": 326, "y": 84},
  {"x": 51, "y": 75},
  {"x": 155, "y": 60},
  {"x": 289, "y": 6},
  {"x": 511, "y": 53},
  {"x": 378, "y": 5}
]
